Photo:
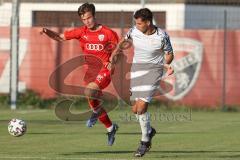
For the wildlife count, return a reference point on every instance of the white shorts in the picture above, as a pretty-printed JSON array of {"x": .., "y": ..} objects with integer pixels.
[{"x": 145, "y": 80}]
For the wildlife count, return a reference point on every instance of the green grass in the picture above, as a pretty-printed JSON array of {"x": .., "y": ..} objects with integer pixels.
[{"x": 182, "y": 135}]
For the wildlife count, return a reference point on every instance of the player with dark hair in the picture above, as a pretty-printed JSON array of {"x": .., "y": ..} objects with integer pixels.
[
  {"x": 93, "y": 38},
  {"x": 152, "y": 53}
]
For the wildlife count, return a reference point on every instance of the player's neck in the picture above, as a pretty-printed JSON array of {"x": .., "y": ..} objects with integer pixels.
[
  {"x": 151, "y": 30},
  {"x": 96, "y": 27}
]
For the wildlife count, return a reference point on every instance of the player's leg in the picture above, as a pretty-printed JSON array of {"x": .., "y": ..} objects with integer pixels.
[
  {"x": 94, "y": 89},
  {"x": 148, "y": 132},
  {"x": 103, "y": 80}
]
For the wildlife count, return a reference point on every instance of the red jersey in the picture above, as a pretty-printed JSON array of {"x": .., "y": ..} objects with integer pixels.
[{"x": 94, "y": 42}]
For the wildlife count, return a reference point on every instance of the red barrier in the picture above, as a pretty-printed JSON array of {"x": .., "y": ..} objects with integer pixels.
[{"x": 199, "y": 64}]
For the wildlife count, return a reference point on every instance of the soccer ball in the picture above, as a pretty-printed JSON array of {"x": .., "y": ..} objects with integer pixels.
[{"x": 17, "y": 127}]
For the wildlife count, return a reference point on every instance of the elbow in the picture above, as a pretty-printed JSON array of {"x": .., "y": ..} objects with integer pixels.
[{"x": 169, "y": 58}]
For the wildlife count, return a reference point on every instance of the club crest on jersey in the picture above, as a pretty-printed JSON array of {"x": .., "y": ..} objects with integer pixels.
[
  {"x": 101, "y": 37},
  {"x": 187, "y": 65}
]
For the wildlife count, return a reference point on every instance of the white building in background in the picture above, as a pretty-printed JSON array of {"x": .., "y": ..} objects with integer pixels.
[
  {"x": 174, "y": 12},
  {"x": 178, "y": 16}
]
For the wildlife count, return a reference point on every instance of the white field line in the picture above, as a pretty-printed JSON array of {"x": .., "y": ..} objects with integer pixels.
[{"x": 60, "y": 158}]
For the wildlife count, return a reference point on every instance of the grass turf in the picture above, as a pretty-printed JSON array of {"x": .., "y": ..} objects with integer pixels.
[{"x": 182, "y": 135}]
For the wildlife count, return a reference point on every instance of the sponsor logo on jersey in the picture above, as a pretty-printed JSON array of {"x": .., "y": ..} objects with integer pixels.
[
  {"x": 187, "y": 65},
  {"x": 101, "y": 37},
  {"x": 94, "y": 47}
]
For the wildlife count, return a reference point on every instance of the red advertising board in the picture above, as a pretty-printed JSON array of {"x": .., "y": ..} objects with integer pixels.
[{"x": 198, "y": 64}]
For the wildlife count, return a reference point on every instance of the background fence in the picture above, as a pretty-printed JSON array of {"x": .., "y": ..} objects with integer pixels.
[{"x": 205, "y": 39}]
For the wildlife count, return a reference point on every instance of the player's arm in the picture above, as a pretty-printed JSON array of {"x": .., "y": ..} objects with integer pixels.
[
  {"x": 120, "y": 47},
  {"x": 117, "y": 51},
  {"x": 169, "y": 56},
  {"x": 124, "y": 43},
  {"x": 53, "y": 35}
]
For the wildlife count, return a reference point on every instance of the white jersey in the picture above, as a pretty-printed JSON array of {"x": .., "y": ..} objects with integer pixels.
[
  {"x": 148, "y": 60},
  {"x": 149, "y": 48}
]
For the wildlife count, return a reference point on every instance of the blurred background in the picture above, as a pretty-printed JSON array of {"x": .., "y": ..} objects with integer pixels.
[{"x": 204, "y": 34}]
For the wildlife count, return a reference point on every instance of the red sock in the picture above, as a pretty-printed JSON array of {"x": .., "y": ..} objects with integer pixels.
[
  {"x": 103, "y": 116},
  {"x": 105, "y": 119},
  {"x": 94, "y": 104}
]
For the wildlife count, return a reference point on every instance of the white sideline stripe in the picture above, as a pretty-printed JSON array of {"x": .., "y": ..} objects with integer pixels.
[{"x": 45, "y": 158}]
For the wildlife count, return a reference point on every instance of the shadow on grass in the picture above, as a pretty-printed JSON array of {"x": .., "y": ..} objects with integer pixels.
[
  {"x": 97, "y": 152},
  {"x": 102, "y": 133},
  {"x": 136, "y": 133}
]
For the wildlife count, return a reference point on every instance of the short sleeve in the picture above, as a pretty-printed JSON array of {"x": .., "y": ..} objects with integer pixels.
[
  {"x": 128, "y": 35},
  {"x": 73, "y": 34},
  {"x": 167, "y": 46},
  {"x": 114, "y": 37}
]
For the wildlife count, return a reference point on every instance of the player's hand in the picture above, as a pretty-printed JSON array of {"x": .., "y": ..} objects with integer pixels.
[
  {"x": 169, "y": 69},
  {"x": 110, "y": 66},
  {"x": 124, "y": 44},
  {"x": 114, "y": 55},
  {"x": 51, "y": 34}
]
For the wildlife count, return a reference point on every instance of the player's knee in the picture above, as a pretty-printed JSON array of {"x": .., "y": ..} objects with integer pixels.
[
  {"x": 91, "y": 90},
  {"x": 88, "y": 92},
  {"x": 141, "y": 111},
  {"x": 134, "y": 109},
  {"x": 141, "y": 107}
]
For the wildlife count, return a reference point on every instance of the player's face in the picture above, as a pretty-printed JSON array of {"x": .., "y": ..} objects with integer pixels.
[
  {"x": 143, "y": 26},
  {"x": 88, "y": 19}
]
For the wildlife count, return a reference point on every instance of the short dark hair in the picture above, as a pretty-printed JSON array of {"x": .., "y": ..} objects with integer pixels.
[
  {"x": 144, "y": 13},
  {"x": 86, "y": 7}
]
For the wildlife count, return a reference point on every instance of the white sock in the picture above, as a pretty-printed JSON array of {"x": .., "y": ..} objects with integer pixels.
[
  {"x": 137, "y": 117},
  {"x": 144, "y": 120},
  {"x": 109, "y": 129}
]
